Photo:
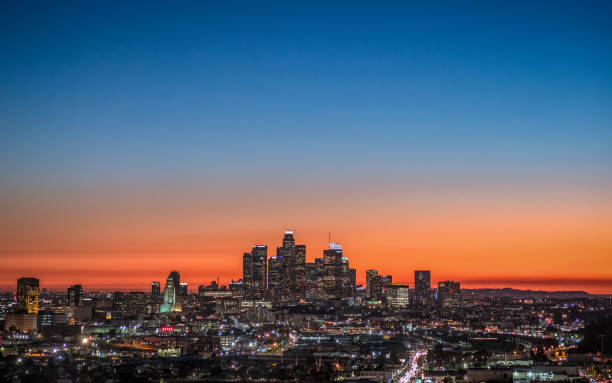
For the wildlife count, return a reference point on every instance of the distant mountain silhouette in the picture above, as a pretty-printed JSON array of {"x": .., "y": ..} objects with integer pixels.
[{"x": 515, "y": 293}]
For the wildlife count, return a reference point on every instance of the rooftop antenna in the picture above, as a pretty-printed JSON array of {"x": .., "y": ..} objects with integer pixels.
[{"x": 329, "y": 237}]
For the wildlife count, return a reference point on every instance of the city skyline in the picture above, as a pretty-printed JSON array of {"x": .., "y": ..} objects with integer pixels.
[
  {"x": 274, "y": 191},
  {"x": 471, "y": 139},
  {"x": 601, "y": 286}
]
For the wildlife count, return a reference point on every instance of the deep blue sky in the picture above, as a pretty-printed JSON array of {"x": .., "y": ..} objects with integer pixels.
[
  {"x": 119, "y": 91},
  {"x": 469, "y": 138}
]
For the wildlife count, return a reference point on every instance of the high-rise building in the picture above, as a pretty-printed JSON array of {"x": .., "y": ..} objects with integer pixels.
[
  {"x": 255, "y": 272},
  {"x": 422, "y": 287},
  {"x": 293, "y": 266},
  {"x": 336, "y": 280},
  {"x": 155, "y": 292},
  {"x": 27, "y": 295},
  {"x": 371, "y": 281},
  {"x": 170, "y": 292},
  {"x": 75, "y": 295},
  {"x": 449, "y": 294},
  {"x": 398, "y": 296},
  {"x": 183, "y": 290},
  {"x": 353, "y": 278},
  {"x": 376, "y": 284},
  {"x": 275, "y": 275},
  {"x": 176, "y": 277},
  {"x": 119, "y": 301}
]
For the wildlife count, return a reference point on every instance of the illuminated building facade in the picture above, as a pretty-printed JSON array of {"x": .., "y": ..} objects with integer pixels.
[
  {"x": 155, "y": 292},
  {"x": 376, "y": 284},
  {"x": 170, "y": 293},
  {"x": 449, "y": 294},
  {"x": 292, "y": 266},
  {"x": 27, "y": 295},
  {"x": 371, "y": 276},
  {"x": 75, "y": 295},
  {"x": 21, "y": 322},
  {"x": 422, "y": 287},
  {"x": 255, "y": 272},
  {"x": 336, "y": 281},
  {"x": 183, "y": 289},
  {"x": 397, "y": 296},
  {"x": 275, "y": 275}
]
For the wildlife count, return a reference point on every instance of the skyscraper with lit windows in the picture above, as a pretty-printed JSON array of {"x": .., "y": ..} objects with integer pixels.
[
  {"x": 275, "y": 275},
  {"x": 449, "y": 294},
  {"x": 27, "y": 295},
  {"x": 170, "y": 293},
  {"x": 422, "y": 287},
  {"x": 336, "y": 279},
  {"x": 255, "y": 272},
  {"x": 371, "y": 281},
  {"x": 75, "y": 295},
  {"x": 155, "y": 292},
  {"x": 292, "y": 259}
]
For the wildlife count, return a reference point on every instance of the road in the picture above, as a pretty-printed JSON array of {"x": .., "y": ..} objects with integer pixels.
[{"x": 411, "y": 368}]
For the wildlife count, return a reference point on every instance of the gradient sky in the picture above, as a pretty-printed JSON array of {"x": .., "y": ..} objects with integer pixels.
[{"x": 470, "y": 138}]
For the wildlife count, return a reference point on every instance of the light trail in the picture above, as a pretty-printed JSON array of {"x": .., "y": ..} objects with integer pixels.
[{"x": 410, "y": 368}]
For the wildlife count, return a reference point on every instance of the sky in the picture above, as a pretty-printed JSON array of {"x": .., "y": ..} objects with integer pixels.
[{"x": 473, "y": 139}]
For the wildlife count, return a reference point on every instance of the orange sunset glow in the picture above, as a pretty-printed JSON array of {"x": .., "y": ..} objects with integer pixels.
[
  {"x": 513, "y": 239},
  {"x": 428, "y": 141},
  {"x": 398, "y": 192}
]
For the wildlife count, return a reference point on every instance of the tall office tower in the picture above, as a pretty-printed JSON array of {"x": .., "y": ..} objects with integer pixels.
[
  {"x": 384, "y": 282},
  {"x": 27, "y": 295},
  {"x": 293, "y": 266},
  {"x": 346, "y": 274},
  {"x": 155, "y": 292},
  {"x": 119, "y": 301},
  {"x": 255, "y": 272},
  {"x": 336, "y": 282},
  {"x": 422, "y": 287},
  {"x": 371, "y": 282},
  {"x": 449, "y": 294},
  {"x": 176, "y": 277},
  {"x": 397, "y": 296},
  {"x": 297, "y": 270},
  {"x": 75, "y": 295},
  {"x": 376, "y": 284},
  {"x": 353, "y": 278},
  {"x": 183, "y": 290},
  {"x": 170, "y": 292},
  {"x": 275, "y": 275}
]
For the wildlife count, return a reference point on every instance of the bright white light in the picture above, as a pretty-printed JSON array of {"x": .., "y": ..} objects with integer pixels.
[{"x": 335, "y": 246}]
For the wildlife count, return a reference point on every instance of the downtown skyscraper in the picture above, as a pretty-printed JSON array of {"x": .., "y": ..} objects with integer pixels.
[
  {"x": 422, "y": 287},
  {"x": 376, "y": 285},
  {"x": 27, "y": 295},
  {"x": 171, "y": 292},
  {"x": 287, "y": 271},
  {"x": 335, "y": 279},
  {"x": 74, "y": 295},
  {"x": 449, "y": 294},
  {"x": 255, "y": 272}
]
